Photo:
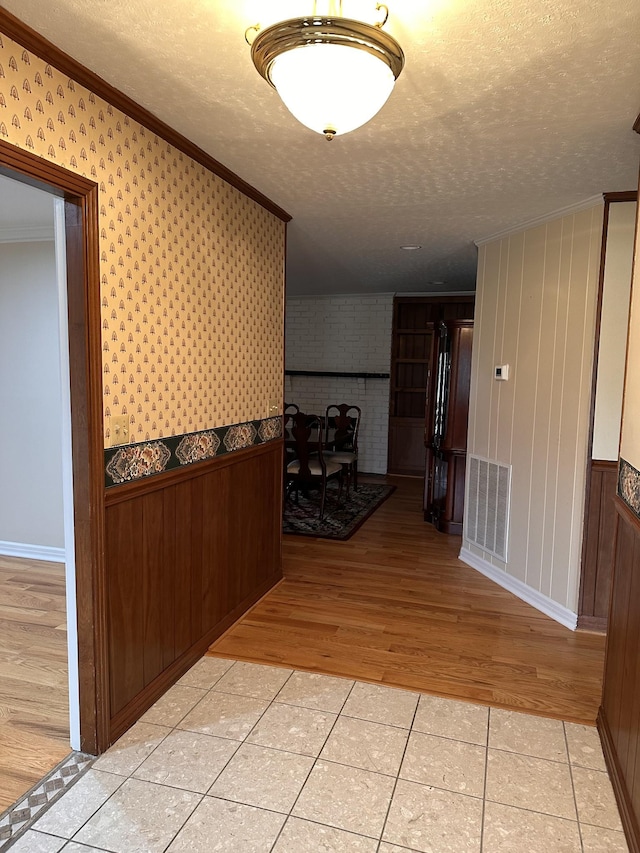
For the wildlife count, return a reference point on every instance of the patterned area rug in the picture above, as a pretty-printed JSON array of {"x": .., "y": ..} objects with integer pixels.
[{"x": 340, "y": 520}]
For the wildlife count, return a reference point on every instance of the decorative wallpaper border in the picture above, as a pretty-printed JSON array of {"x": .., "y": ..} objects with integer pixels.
[
  {"x": 629, "y": 486},
  {"x": 128, "y": 462}
]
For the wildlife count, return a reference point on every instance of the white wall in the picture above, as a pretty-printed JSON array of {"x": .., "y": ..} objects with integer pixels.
[
  {"x": 343, "y": 334},
  {"x": 535, "y": 310},
  {"x": 613, "y": 330},
  {"x": 630, "y": 438},
  {"x": 31, "y": 510}
]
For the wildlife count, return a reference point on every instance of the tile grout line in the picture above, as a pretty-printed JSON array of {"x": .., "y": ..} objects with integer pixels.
[
  {"x": 315, "y": 761},
  {"x": 573, "y": 787},
  {"x": 231, "y": 757},
  {"x": 486, "y": 775},
  {"x": 397, "y": 777}
]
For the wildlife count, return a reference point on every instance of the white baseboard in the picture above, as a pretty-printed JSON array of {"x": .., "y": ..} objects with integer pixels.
[
  {"x": 536, "y": 599},
  {"x": 32, "y": 552}
]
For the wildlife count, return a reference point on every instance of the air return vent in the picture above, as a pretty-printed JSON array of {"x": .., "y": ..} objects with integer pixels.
[{"x": 486, "y": 511}]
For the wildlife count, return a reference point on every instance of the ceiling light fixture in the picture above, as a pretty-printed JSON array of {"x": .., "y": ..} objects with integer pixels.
[{"x": 332, "y": 73}]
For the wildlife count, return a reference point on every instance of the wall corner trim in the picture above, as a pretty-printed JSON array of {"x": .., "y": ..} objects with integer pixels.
[
  {"x": 32, "y": 552},
  {"x": 585, "y": 204},
  {"x": 531, "y": 596}
]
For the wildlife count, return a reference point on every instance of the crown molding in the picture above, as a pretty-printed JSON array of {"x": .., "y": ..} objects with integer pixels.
[
  {"x": 30, "y": 39},
  {"x": 585, "y": 204},
  {"x": 27, "y": 234}
]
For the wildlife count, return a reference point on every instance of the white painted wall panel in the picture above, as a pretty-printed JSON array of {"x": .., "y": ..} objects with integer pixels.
[
  {"x": 613, "y": 330},
  {"x": 31, "y": 511},
  {"x": 630, "y": 436},
  {"x": 536, "y": 297}
]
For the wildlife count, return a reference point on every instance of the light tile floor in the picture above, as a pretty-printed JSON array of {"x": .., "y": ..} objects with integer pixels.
[{"x": 245, "y": 758}]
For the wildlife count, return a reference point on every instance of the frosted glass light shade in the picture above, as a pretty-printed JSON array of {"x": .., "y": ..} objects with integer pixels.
[
  {"x": 333, "y": 74},
  {"x": 331, "y": 87}
]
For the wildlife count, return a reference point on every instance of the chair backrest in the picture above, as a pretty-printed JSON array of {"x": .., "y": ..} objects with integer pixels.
[
  {"x": 304, "y": 434},
  {"x": 291, "y": 408},
  {"x": 345, "y": 419}
]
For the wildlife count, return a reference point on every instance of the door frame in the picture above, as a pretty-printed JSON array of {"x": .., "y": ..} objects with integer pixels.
[{"x": 85, "y": 368}]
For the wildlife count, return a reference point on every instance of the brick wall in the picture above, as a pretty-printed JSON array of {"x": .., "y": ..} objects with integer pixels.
[{"x": 350, "y": 334}]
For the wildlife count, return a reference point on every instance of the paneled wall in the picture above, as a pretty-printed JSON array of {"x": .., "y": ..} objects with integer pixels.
[
  {"x": 597, "y": 555},
  {"x": 189, "y": 551},
  {"x": 618, "y": 717},
  {"x": 343, "y": 334},
  {"x": 535, "y": 311}
]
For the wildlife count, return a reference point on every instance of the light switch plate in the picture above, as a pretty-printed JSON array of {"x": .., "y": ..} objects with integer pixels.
[{"x": 501, "y": 372}]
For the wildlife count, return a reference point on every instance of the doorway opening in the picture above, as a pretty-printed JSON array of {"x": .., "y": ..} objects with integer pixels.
[
  {"x": 76, "y": 221},
  {"x": 39, "y": 688}
]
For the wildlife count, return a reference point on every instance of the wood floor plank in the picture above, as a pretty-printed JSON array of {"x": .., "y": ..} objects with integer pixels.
[
  {"x": 395, "y": 605},
  {"x": 34, "y": 698}
]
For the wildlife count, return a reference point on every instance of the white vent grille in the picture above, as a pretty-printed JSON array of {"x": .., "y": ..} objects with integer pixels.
[{"x": 486, "y": 510}]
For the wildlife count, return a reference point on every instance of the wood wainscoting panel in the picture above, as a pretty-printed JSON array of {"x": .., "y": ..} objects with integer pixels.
[
  {"x": 619, "y": 717},
  {"x": 597, "y": 548},
  {"x": 187, "y": 553},
  {"x": 125, "y": 599}
]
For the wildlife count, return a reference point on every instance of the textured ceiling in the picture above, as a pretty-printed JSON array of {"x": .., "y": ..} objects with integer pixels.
[{"x": 506, "y": 110}]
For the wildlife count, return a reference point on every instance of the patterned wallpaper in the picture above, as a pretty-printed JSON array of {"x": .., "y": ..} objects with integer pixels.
[{"x": 192, "y": 271}]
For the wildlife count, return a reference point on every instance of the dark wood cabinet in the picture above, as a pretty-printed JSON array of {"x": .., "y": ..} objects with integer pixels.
[
  {"x": 416, "y": 347},
  {"x": 446, "y": 428}
]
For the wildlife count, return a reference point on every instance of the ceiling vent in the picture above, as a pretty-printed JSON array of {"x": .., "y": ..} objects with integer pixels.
[{"x": 486, "y": 514}]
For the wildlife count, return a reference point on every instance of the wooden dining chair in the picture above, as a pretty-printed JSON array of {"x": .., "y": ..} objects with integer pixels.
[
  {"x": 291, "y": 408},
  {"x": 304, "y": 438},
  {"x": 344, "y": 420}
]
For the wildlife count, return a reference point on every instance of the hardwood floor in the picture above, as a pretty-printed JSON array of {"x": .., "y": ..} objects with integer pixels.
[
  {"x": 394, "y": 605},
  {"x": 34, "y": 695}
]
